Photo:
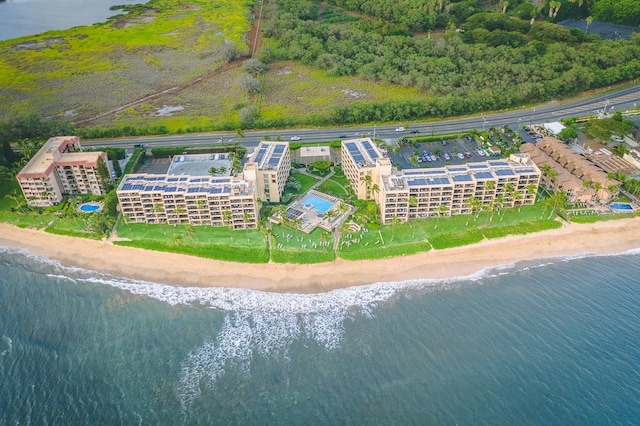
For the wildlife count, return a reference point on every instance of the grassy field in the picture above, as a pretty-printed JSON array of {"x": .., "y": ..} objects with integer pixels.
[
  {"x": 215, "y": 243},
  {"x": 294, "y": 90}
]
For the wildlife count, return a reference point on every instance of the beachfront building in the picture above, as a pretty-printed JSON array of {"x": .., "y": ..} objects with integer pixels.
[
  {"x": 60, "y": 168},
  {"x": 196, "y": 200},
  {"x": 461, "y": 189},
  {"x": 364, "y": 165},
  {"x": 444, "y": 191},
  {"x": 579, "y": 178},
  {"x": 268, "y": 167}
]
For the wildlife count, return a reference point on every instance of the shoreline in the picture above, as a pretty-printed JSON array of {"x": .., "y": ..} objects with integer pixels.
[{"x": 600, "y": 238}]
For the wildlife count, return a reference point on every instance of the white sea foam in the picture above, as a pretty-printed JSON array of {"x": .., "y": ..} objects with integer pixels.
[{"x": 7, "y": 345}]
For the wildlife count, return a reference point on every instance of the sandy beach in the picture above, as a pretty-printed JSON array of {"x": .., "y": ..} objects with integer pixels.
[{"x": 609, "y": 237}]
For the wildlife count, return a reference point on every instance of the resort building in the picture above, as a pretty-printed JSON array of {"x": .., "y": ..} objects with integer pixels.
[
  {"x": 579, "y": 178},
  {"x": 268, "y": 168},
  {"x": 443, "y": 191},
  {"x": 196, "y": 200},
  {"x": 60, "y": 168},
  {"x": 363, "y": 164},
  {"x": 462, "y": 189}
]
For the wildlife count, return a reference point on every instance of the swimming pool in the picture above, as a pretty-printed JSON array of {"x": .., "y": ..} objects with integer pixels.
[
  {"x": 621, "y": 206},
  {"x": 89, "y": 208},
  {"x": 317, "y": 203}
]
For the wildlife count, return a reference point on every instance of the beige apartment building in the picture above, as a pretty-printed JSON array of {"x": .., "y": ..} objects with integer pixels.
[
  {"x": 269, "y": 167},
  {"x": 196, "y": 200},
  {"x": 59, "y": 168},
  {"x": 363, "y": 164},
  {"x": 444, "y": 191},
  {"x": 573, "y": 172}
]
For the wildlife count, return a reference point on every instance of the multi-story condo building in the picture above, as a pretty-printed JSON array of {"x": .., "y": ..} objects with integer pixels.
[
  {"x": 573, "y": 174},
  {"x": 196, "y": 200},
  {"x": 60, "y": 168},
  {"x": 444, "y": 191},
  {"x": 363, "y": 164},
  {"x": 269, "y": 167}
]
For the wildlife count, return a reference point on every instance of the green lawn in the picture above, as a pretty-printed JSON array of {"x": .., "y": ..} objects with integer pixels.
[
  {"x": 305, "y": 180},
  {"x": 203, "y": 241},
  {"x": 439, "y": 233},
  {"x": 331, "y": 187},
  {"x": 292, "y": 242}
]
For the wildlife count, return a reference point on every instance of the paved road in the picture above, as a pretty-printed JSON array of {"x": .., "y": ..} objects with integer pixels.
[{"x": 618, "y": 100}]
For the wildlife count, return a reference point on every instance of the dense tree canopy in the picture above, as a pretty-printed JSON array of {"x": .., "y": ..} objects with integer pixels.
[
  {"x": 494, "y": 62},
  {"x": 626, "y": 12}
]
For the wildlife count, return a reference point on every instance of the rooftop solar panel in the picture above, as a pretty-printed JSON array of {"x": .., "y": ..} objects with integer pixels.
[
  {"x": 127, "y": 187},
  {"x": 261, "y": 153},
  {"x": 504, "y": 172},
  {"x": 484, "y": 175},
  {"x": 438, "y": 181},
  {"x": 462, "y": 178},
  {"x": 370, "y": 150},
  {"x": 477, "y": 166},
  {"x": 279, "y": 149},
  {"x": 417, "y": 182}
]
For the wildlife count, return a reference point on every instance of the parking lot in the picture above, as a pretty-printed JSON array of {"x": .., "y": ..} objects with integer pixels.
[{"x": 438, "y": 154}]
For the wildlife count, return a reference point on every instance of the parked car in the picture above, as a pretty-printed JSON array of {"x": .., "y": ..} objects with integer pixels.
[
  {"x": 415, "y": 145},
  {"x": 481, "y": 153},
  {"x": 295, "y": 138},
  {"x": 447, "y": 156},
  {"x": 400, "y": 129},
  {"x": 461, "y": 156}
]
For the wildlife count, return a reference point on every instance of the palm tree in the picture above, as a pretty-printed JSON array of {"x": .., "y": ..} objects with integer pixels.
[
  {"x": 442, "y": 209},
  {"x": 246, "y": 217},
  {"x": 375, "y": 189},
  {"x": 281, "y": 211},
  {"x": 367, "y": 180},
  {"x": 188, "y": 232},
  {"x": 531, "y": 189},
  {"x": 227, "y": 217},
  {"x": 517, "y": 197},
  {"x": 324, "y": 238},
  {"x": 505, "y": 4},
  {"x": 556, "y": 202},
  {"x": 475, "y": 205},
  {"x": 176, "y": 239},
  {"x": 394, "y": 221},
  {"x": 329, "y": 216},
  {"x": 213, "y": 171},
  {"x": 589, "y": 20}
]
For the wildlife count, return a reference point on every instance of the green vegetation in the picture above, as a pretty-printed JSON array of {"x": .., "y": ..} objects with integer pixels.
[{"x": 202, "y": 241}]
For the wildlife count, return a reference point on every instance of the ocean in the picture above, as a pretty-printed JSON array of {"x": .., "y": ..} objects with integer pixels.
[
  {"x": 554, "y": 342},
  {"x": 27, "y": 17}
]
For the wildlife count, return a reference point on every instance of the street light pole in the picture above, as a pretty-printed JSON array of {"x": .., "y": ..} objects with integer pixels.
[{"x": 374, "y": 131}]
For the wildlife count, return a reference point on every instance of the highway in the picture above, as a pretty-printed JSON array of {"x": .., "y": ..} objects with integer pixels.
[{"x": 619, "y": 100}]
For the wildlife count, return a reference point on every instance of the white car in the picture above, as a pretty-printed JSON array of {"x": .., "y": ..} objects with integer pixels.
[
  {"x": 461, "y": 156},
  {"x": 481, "y": 153},
  {"x": 295, "y": 138},
  {"x": 400, "y": 129}
]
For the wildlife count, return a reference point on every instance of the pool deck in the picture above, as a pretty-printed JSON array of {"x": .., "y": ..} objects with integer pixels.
[{"x": 310, "y": 218}]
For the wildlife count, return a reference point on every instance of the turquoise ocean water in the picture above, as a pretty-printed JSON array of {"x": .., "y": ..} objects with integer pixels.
[{"x": 540, "y": 343}]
